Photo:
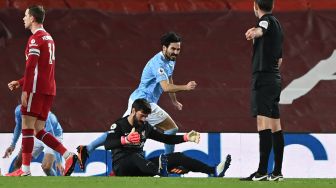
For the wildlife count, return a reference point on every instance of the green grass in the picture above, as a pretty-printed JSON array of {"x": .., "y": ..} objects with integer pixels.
[{"x": 148, "y": 182}]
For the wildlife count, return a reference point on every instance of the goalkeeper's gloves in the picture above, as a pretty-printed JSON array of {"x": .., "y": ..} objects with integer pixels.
[
  {"x": 192, "y": 136},
  {"x": 132, "y": 138}
]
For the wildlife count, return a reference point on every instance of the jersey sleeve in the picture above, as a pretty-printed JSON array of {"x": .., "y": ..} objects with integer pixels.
[
  {"x": 33, "y": 55},
  {"x": 48, "y": 125},
  {"x": 18, "y": 127},
  {"x": 263, "y": 24},
  {"x": 55, "y": 124},
  {"x": 159, "y": 72},
  {"x": 167, "y": 139},
  {"x": 113, "y": 137}
]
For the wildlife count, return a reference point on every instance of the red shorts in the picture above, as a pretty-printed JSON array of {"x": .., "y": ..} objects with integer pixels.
[{"x": 38, "y": 105}]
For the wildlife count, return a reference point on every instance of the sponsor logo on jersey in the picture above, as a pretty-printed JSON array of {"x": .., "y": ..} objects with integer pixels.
[{"x": 34, "y": 44}]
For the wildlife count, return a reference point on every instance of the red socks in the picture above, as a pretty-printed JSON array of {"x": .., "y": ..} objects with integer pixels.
[
  {"x": 27, "y": 146},
  {"x": 51, "y": 141}
]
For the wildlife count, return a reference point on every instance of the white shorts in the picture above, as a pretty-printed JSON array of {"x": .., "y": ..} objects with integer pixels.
[
  {"x": 39, "y": 146},
  {"x": 157, "y": 116}
]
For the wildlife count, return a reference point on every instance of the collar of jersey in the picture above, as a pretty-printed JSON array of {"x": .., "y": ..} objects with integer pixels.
[{"x": 39, "y": 29}]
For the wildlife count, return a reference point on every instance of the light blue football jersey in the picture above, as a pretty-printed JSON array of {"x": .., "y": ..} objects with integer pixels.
[{"x": 156, "y": 70}]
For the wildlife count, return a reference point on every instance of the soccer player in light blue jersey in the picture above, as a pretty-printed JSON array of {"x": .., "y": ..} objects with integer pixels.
[
  {"x": 156, "y": 78},
  {"x": 52, "y": 126}
]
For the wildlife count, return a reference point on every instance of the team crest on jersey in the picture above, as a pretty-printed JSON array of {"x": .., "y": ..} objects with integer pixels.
[
  {"x": 32, "y": 41},
  {"x": 161, "y": 71}
]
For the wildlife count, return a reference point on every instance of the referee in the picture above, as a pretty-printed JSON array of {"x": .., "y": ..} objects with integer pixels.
[{"x": 267, "y": 37}]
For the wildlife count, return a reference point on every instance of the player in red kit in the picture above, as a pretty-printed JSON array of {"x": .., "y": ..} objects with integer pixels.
[{"x": 38, "y": 91}]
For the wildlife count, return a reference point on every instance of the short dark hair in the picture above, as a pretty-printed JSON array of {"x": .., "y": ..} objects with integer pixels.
[
  {"x": 265, "y": 5},
  {"x": 170, "y": 37},
  {"x": 143, "y": 105},
  {"x": 38, "y": 12}
]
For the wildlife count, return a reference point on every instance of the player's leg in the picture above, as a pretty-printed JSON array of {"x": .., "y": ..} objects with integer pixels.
[
  {"x": 161, "y": 119},
  {"x": 48, "y": 161},
  {"x": 49, "y": 140},
  {"x": 277, "y": 136},
  {"x": 136, "y": 165},
  {"x": 27, "y": 142},
  {"x": 265, "y": 143},
  {"x": 278, "y": 148},
  {"x": 262, "y": 101},
  {"x": 169, "y": 127},
  {"x": 28, "y": 121},
  {"x": 47, "y": 164},
  {"x": 18, "y": 161},
  {"x": 178, "y": 162}
]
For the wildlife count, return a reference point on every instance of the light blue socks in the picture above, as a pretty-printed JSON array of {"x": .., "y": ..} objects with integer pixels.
[{"x": 170, "y": 148}]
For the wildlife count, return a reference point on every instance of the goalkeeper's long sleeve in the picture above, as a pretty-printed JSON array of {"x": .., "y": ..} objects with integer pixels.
[{"x": 167, "y": 139}]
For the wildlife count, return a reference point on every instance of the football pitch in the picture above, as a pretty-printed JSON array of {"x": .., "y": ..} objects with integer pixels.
[{"x": 148, "y": 182}]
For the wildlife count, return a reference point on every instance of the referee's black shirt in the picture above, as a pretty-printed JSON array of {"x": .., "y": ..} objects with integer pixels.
[{"x": 267, "y": 49}]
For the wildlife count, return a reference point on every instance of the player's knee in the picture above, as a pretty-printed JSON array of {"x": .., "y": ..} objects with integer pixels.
[
  {"x": 46, "y": 167},
  {"x": 171, "y": 131}
]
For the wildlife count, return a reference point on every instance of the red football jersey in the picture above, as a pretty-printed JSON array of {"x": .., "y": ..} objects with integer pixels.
[{"x": 39, "y": 75}]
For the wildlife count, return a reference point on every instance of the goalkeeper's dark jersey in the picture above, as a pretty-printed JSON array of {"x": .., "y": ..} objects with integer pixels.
[{"x": 122, "y": 128}]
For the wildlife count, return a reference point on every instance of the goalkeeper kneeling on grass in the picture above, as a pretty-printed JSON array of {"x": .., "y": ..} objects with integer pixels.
[{"x": 126, "y": 139}]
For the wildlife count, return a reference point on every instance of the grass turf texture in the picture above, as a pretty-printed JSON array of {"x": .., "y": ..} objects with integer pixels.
[{"x": 148, "y": 182}]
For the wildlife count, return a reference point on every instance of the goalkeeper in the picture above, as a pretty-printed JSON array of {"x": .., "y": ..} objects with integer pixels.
[{"x": 127, "y": 137}]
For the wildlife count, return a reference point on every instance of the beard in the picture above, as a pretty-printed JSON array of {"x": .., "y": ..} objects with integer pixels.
[
  {"x": 137, "y": 122},
  {"x": 170, "y": 57}
]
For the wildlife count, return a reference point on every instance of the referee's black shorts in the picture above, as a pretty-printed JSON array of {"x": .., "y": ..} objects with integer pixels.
[{"x": 265, "y": 97}]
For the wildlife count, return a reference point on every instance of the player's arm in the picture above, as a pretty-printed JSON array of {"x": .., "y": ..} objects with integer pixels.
[
  {"x": 16, "y": 134},
  {"x": 172, "y": 88},
  {"x": 173, "y": 98},
  {"x": 116, "y": 139},
  {"x": 258, "y": 31},
  {"x": 18, "y": 127},
  {"x": 192, "y": 136},
  {"x": 49, "y": 126},
  {"x": 254, "y": 32},
  {"x": 31, "y": 63},
  {"x": 15, "y": 84}
]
